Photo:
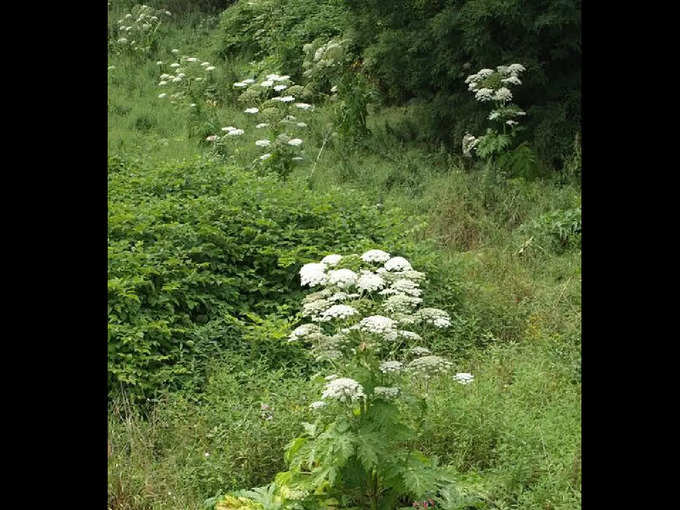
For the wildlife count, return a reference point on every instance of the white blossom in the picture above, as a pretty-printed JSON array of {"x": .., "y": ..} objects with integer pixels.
[
  {"x": 262, "y": 125},
  {"x": 343, "y": 278},
  {"x": 435, "y": 316},
  {"x": 303, "y": 106},
  {"x": 484, "y": 94},
  {"x": 428, "y": 366},
  {"x": 279, "y": 88},
  {"x": 337, "y": 312},
  {"x": 251, "y": 110},
  {"x": 503, "y": 94},
  {"x": 262, "y": 143},
  {"x": 369, "y": 281},
  {"x": 295, "y": 141},
  {"x": 161, "y": 96},
  {"x": 210, "y": 68},
  {"x": 343, "y": 389},
  {"x": 317, "y": 405},
  {"x": 464, "y": 378},
  {"x": 265, "y": 156},
  {"x": 240, "y": 84},
  {"x": 377, "y": 324},
  {"x": 401, "y": 303},
  {"x": 419, "y": 351},
  {"x": 386, "y": 393},
  {"x": 266, "y": 83},
  {"x": 235, "y": 132},
  {"x": 331, "y": 260},
  {"x": 312, "y": 274},
  {"x": 305, "y": 331},
  {"x": 391, "y": 366},
  {"x": 375, "y": 256},
  {"x": 398, "y": 264}
]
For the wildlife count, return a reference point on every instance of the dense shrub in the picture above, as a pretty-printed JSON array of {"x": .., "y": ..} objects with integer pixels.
[{"x": 198, "y": 251}]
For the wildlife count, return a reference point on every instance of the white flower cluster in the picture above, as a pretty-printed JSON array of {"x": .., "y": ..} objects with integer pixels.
[
  {"x": 306, "y": 331},
  {"x": 340, "y": 312},
  {"x": 386, "y": 392},
  {"x": 313, "y": 274},
  {"x": 435, "y": 316},
  {"x": 343, "y": 389},
  {"x": 398, "y": 264},
  {"x": 182, "y": 76},
  {"x": 343, "y": 278},
  {"x": 370, "y": 282},
  {"x": 464, "y": 378},
  {"x": 138, "y": 29},
  {"x": 391, "y": 366},
  {"x": 378, "y": 325},
  {"x": 429, "y": 366},
  {"x": 375, "y": 256},
  {"x": 401, "y": 303}
]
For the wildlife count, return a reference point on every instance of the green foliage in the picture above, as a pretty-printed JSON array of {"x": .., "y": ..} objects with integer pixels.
[
  {"x": 557, "y": 230},
  {"x": 195, "y": 247}
]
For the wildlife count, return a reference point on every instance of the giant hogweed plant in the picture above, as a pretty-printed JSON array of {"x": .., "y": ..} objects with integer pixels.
[
  {"x": 137, "y": 33},
  {"x": 362, "y": 323},
  {"x": 496, "y": 145}
]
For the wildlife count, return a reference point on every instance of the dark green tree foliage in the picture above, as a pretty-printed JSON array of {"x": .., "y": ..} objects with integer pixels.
[
  {"x": 425, "y": 49},
  {"x": 200, "y": 253}
]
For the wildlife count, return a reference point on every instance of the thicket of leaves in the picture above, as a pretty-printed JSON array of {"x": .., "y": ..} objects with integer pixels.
[
  {"x": 203, "y": 258},
  {"x": 420, "y": 53}
]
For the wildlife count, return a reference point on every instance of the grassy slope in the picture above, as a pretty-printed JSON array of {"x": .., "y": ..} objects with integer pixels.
[{"x": 514, "y": 434}]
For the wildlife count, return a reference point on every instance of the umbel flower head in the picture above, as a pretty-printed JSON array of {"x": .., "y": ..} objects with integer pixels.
[
  {"x": 313, "y": 274},
  {"x": 343, "y": 389}
]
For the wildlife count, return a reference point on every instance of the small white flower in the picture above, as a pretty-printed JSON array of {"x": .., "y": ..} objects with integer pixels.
[
  {"x": 391, "y": 366},
  {"x": 174, "y": 65},
  {"x": 297, "y": 158},
  {"x": 301, "y": 124},
  {"x": 377, "y": 324},
  {"x": 369, "y": 281},
  {"x": 503, "y": 94},
  {"x": 303, "y": 106},
  {"x": 386, "y": 393},
  {"x": 464, "y": 378},
  {"x": 192, "y": 105},
  {"x": 122, "y": 40},
  {"x": 266, "y": 83},
  {"x": 262, "y": 125},
  {"x": 511, "y": 122},
  {"x": 235, "y": 132},
  {"x": 111, "y": 68},
  {"x": 317, "y": 405},
  {"x": 281, "y": 78},
  {"x": 159, "y": 63},
  {"x": 429, "y": 365},
  {"x": 228, "y": 128},
  {"x": 312, "y": 274},
  {"x": 212, "y": 138},
  {"x": 484, "y": 94},
  {"x": 331, "y": 260},
  {"x": 192, "y": 59},
  {"x": 334, "y": 88},
  {"x": 343, "y": 278},
  {"x": 161, "y": 96},
  {"x": 248, "y": 81},
  {"x": 375, "y": 256},
  {"x": 210, "y": 68},
  {"x": 265, "y": 156},
  {"x": 177, "y": 79},
  {"x": 175, "y": 51},
  {"x": 398, "y": 264},
  {"x": 338, "y": 312},
  {"x": 435, "y": 316},
  {"x": 263, "y": 143},
  {"x": 419, "y": 351},
  {"x": 251, "y": 110},
  {"x": 295, "y": 142},
  {"x": 279, "y": 88},
  {"x": 240, "y": 84},
  {"x": 161, "y": 83},
  {"x": 514, "y": 80},
  {"x": 343, "y": 389}
]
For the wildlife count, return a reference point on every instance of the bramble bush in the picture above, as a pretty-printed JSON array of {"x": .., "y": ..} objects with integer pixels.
[{"x": 197, "y": 248}]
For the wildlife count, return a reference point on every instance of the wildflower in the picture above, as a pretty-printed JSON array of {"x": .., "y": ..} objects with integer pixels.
[
  {"x": 464, "y": 378},
  {"x": 484, "y": 94},
  {"x": 161, "y": 83},
  {"x": 386, "y": 393},
  {"x": 303, "y": 106},
  {"x": 210, "y": 68},
  {"x": 174, "y": 65},
  {"x": 297, "y": 158},
  {"x": 199, "y": 79},
  {"x": 343, "y": 389},
  {"x": 369, "y": 281},
  {"x": 503, "y": 94},
  {"x": 338, "y": 312},
  {"x": 419, "y": 351},
  {"x": 398, "y": 264},
  {"x": 263, "y": 143},
  {"x": 206, "y": 455},
  {"x": 192, "y": 105},
  {"x": 334, "y": 88},
  {"x": 435, "y": 316},
  {"x": 169, "y": 14},
  {"x": 159, "y": 63},
  {"x": 235, "y": 132},
  {"x": 516, "y": 68},
  {"x": 192, "y": 59},
  {"x": 177, "y": 79},
  {"x": 281, "y": 78},
  {"x": 313, "y": 274},
  {"x": 248, "y": 81},
  {"x": 251, "y": 110},
  {"x": 511, "y": 122},
  {"x": 331, "y": 260},
  {"x": 212, "y": 138},
  {"x": 375, "y": 256},
  {"x": 262, "y": 125},
  {"x": 377, "y": 324},
  {"x": 407, "y": 287},
  {"x": 390, "y": 366},
  {"x": 279, "y": 88},
  {"x": 284, "y": 99},
  {"x": 161, "y": 96},
  {"x": 266, "y": 83},
  {"x": 494, "y": 115},
  {"x": 301, "y": 124},
  {"x": 343, "y": 278},
  {"x": 317, "y": 405},
  {"x": 314, "y": 309},
  {"x": 305, "y": 331},
  {"x": 122, "y": 40},
  {"x": 175, "y": 51},
  {"x": 240, "y": 84},
  {"x": 295, "y": 141},
  {"x": 265, "y": 156},
  {"x": 514, "y": 80},
  {"x": 228, "y": 128},
  {"x": 429, "y": 365},
  {"x": 401, "y": 303},
  {"x": 469, "y": 144},
  {"x": 272, "y": 76}
]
